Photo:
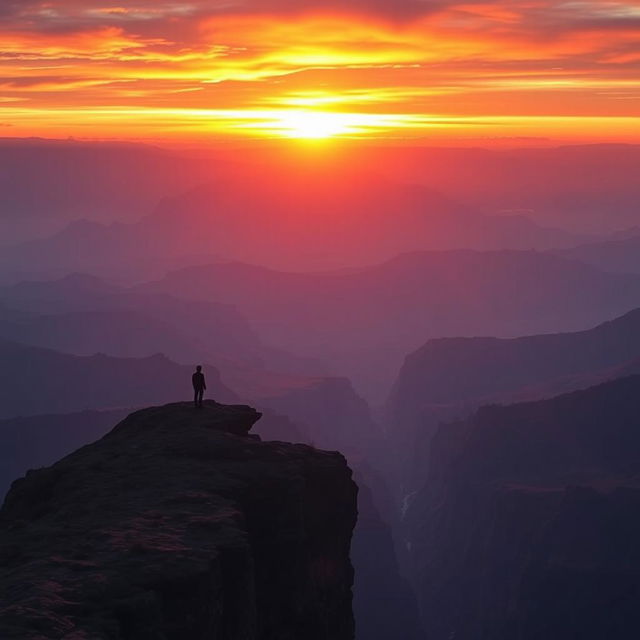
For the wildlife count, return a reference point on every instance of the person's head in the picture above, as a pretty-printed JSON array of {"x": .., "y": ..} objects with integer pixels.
[{"x": 198, "y": 368}]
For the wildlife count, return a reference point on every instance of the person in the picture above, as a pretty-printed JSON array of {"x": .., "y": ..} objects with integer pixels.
[{"x": 199, "y": 386}]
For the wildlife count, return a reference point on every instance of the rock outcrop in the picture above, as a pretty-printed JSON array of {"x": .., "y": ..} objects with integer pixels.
[
  {"x": 37, "y": 441},
  {"x": 178, "y": 524},
  {"x": 528, "y": 525}
]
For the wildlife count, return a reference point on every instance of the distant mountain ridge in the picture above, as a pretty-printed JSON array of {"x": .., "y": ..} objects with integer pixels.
[
  {"x": 570, "y": 185},
  {"x": 44, "y": 381},
  {"x": 366, "y": 320},
  {"x": 617, "y": 256},
  {"x": 314, "y": 220},
  {"x": 82, "y": 315}
]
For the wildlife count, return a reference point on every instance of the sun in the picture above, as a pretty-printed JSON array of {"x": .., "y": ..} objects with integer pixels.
[{"x": 313, "y": 125}]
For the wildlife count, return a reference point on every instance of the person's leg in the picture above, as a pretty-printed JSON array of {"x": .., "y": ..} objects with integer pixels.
[
  {"x": 200, "y": 395},
  {"x": 195, "y": 397}
]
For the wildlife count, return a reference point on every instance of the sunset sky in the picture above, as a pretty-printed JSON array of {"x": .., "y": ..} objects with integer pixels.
[{"x": 396, "y": 69}]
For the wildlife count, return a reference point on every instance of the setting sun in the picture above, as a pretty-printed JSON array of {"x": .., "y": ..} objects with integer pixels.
[
  {"x": 313, "y": 124},
  {"x": 310, "y": 124}
]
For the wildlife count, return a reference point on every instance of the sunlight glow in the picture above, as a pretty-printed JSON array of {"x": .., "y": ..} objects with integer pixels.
[
  {"x": 314, "y": 124},
  {"x": 303, "y": 124}
]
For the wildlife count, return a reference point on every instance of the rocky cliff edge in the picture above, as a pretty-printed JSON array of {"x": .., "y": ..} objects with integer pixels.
[{"x": 178, "y": 524}]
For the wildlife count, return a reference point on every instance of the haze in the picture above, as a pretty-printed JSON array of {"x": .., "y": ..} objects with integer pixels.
[{"x": 407, "y": 232}]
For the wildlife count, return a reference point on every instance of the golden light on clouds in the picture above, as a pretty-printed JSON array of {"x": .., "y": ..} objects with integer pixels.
[{"x": 170, "y": 70}]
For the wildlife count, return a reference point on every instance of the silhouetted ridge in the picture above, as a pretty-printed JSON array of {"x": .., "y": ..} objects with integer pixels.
[{"x": 176, "y": 525}]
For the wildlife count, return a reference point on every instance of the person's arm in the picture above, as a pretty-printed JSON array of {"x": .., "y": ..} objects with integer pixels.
[{"x": 204, "y": 383}]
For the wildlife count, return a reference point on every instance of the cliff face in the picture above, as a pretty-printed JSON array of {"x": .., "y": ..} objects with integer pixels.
[
  {"x": 37, "y": 441},
  {"x": 384, "y": 605},
  {"x": 528, "y": 525},
  {"x": 454, "y": 371},
  {"x": 178, "y": 525},
  {"x": 450, "y": 378}
]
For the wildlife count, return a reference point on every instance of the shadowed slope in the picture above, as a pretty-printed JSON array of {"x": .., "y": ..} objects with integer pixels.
[{"x": 527, "y": 527}]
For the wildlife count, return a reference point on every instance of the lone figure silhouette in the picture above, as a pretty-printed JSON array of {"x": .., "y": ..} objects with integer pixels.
[{"x": 199, "y": 386}]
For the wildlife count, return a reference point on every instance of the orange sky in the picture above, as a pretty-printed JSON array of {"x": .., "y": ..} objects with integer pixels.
[{"x": 398, "y": 69}]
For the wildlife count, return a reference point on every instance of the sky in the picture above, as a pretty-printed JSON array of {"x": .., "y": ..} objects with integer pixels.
[{"x": 411, "y": 70}]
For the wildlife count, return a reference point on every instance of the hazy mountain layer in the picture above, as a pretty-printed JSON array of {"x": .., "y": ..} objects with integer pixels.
[
  {"x": 364, "y": 321},
  {"x": 317, "y": 217},
  {"x": 618, "y": 256}
]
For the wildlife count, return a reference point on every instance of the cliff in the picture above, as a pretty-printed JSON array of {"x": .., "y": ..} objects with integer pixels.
[
  {"x": 178, "y": 524},
  {"x": 384, "y": 604},
  {"x": 450, "y": 378},
  {"x": 37, "y": 441},
  {"x": 528, "y": 525},
  {"x": 480, "y": 370}
]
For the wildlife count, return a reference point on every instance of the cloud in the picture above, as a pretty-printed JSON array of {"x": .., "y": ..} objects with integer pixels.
[{"x": 410, "y": 58}]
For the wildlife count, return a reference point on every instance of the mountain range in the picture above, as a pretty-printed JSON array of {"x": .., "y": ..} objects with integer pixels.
[
  {"x": 621, "y": 255},
  {"x": 363, "y": 321},
  {"x": 307, "y": 220}
]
